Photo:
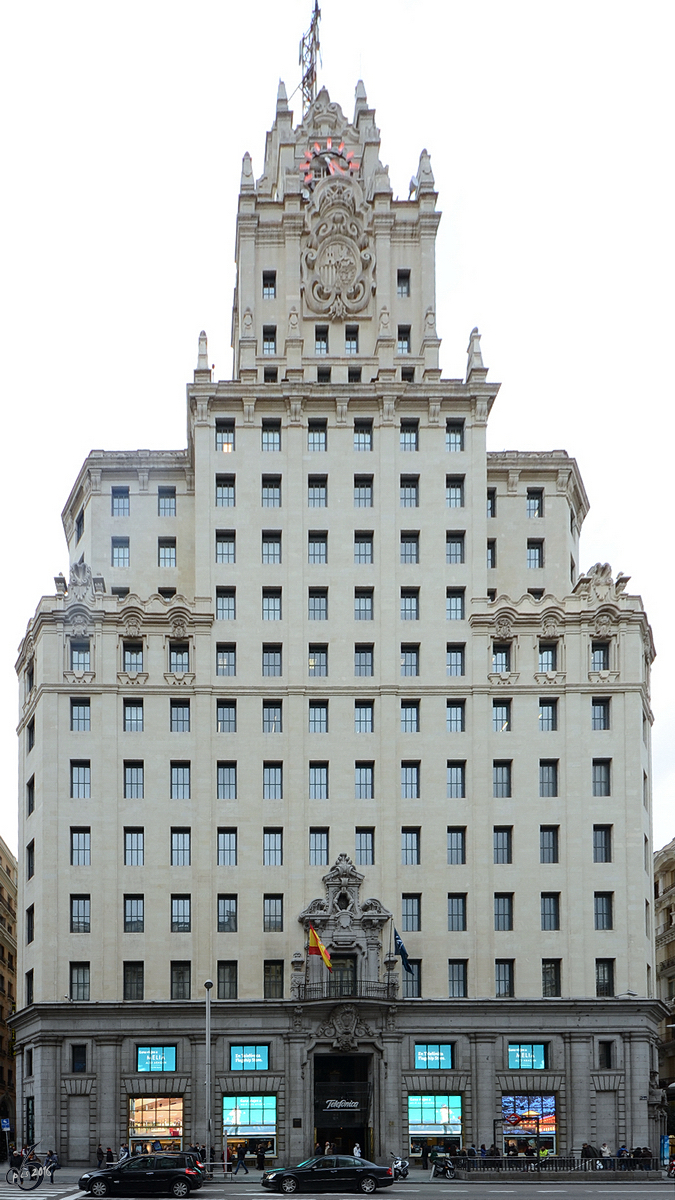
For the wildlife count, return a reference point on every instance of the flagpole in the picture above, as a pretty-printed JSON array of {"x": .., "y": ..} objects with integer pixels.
[{"x": 306, "y": 960}]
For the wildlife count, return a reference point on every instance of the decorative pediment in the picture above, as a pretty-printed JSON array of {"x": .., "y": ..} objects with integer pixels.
[
  {"x": 344, "y": 1028},
  {"x": 344, "y": 919}
]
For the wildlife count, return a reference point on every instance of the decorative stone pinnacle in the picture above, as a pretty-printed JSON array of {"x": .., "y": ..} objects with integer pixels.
[
  {"x": 282, "y": 98},
  {"x": 475, "y": 358},
  {"x": 247, "y": 181},
  {"x": 202, "y": 357},
  {"x": 425, "y": 175}
]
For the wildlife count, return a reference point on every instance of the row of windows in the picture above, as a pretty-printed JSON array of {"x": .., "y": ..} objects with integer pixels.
[
  {"x": 364, "y": 776},
  {"x": 317, "y": 548},
  {"x": 273, "y": 910},
  {"x": 179, "y": 652},
  {"x": 351, "y": 340},
  {"x": 120, "y": 502},
  {"x": 317, "y": 437},
  {"x": 226, "y": 716},
  {"x": 227, "y": 846},
  {"x": 269, "y": 288},
  {"x": 273, "y": 979}
]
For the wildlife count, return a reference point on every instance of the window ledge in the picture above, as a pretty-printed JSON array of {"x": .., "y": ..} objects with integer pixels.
[
  {"x": 603, "y": 676},
  {"x": 557, "y": 678},
  {"x": 79, "y": 676},
  {"x": 132, "y": 678},
  {"x": 180, "y": 678},
  {"x": 504, "y": 678}
]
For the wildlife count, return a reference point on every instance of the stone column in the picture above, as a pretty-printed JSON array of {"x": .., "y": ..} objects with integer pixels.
[
  {"x": 483, "y": 1089},
  {"x": 109, "y": 1131},
  {"x": 298, "y": 1142},
  {"x": 47, "y": 1090},
  {"x": 579, "y": 1091},
  {"x": 636, "y": 1051},
  {"x": 391, "y": 1101}
]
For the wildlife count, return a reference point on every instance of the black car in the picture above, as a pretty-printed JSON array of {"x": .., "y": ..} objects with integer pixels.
[
  {"x": 176, "y": 1174},
  {"x": 329, "y": 1173}
]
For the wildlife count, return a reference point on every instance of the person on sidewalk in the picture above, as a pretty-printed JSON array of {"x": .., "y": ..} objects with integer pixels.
[
  {"x": 241, "y": 1156},
  {"x": 260, "y": 1156},
  {"x": 100, "y": 1155},
  {"x": 51, "y": 1164}
]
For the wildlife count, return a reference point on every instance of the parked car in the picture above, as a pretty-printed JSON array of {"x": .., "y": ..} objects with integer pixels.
[
  {"x": 175, "y": 1174},
  {"x": 329, "y": 1173}
]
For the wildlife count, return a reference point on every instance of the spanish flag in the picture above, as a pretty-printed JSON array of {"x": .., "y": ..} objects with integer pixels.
[{"x": 316, "y": 946}]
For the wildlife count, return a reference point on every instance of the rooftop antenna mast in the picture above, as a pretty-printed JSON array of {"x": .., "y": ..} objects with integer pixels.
[{"x": 309, "y": 54}]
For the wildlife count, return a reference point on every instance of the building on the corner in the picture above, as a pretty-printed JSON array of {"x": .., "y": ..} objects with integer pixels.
[
  {"x": 664, "y": 920},
  {"x": 8, "y": 990},
  {"x": 335, "y": 663}
]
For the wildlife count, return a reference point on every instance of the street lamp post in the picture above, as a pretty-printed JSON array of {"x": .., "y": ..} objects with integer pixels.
[{"x": 208, "y": 985}]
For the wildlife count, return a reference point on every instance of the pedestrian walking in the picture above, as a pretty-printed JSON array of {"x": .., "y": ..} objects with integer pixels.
[
  {"x": 317, "y": 1150},
  {"x": 51, "y": 1164},
  {"x": 357, "y": 1150},
  {"x": 100, "y": 1155},
  {"x": 109, "y": 1156},
  {"x": 260, "y": 1156},
  {"x": 425, "y": 1157},
  {"x": 241, "y": 1155}
]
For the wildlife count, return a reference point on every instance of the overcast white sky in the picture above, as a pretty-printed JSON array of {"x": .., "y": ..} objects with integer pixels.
[{"x": 550, "y": 127}]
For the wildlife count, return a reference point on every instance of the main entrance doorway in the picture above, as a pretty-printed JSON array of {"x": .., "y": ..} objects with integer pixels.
[{"x": 342, "y": 1102}]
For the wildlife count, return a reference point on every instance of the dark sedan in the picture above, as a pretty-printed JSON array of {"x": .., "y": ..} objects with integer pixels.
[
  {"x": 329, "y": 1173},
  {"x": 175, "y": 1174}
]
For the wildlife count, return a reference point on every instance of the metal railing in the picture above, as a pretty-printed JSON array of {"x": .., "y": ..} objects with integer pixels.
[
  {"x": 337, "y": 989},
  {"x": 553, "y": 1163}
]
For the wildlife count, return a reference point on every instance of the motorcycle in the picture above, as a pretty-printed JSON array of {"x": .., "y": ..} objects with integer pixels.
[
  {"x": 443, "y": 1167},
  {"x": 671, "y": 1169},
  {"x": 399, "y": 1166}
]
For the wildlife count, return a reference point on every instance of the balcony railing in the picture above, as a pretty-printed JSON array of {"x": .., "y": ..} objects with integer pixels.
[
  {"x": 337, "y": 989},
  {"x": 665, "y": 965}
]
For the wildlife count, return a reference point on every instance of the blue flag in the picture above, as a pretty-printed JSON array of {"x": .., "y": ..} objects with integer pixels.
[{"x": 400, "y": 949}]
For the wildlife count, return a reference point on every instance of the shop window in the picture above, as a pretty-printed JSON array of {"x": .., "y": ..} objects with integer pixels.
[
  {"x": 156, "y": 1117},
  {"x": 528, "y": 1056},
  {"x": 429, "y": 1116},
  {"x": 249, "y": 1058},
  {"x": 433, "y": 1057},
  {"x": 155, "y": 1058},
  {"x": 520, "y": 1112}
]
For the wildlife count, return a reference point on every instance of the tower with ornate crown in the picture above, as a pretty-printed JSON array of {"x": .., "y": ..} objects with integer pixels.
[{"x": 334, "y": 665}]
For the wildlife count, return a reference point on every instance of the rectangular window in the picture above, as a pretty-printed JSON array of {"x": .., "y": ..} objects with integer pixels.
[
  {"x": 363, "y": 546},
  {"x": 273, "y": 914},
  {"x": 318, "y": 781},
  {"x": 491, "y": 502},
  {"x": 80, "y": 719},
  {"x": 501, "y": 779},
  {"x": 363, "y": 491},
  {"x": 79, "y": 526},
  {"x": 548, "y": 777},
  {"x": 454, "y": 658},
  {"x": 550, "y": 977},
  {"x": 269, "y": 341},
  {"x": 273, "y": 851},
  {"x": 454, "y": 436},
  {"x": 80, "y": 780},
  {"x": 454, "y": 491},
  {"x": 317, "y": 546},
  {"x": 410, "y": 660},
  {"x": 501, "y": 716},
  {"x": 271, "y": 604},
  {"x": 504, "y": 977},
  {"x": 225, "y": 493},
  {"x": 271, "y": 716},
  {"x": 271, "y": 435},
  {"x": 454, "y": 604},
  {"x": 227, "y": 980},
  {"x": 80, "y": 914},
  {"x": 548, "y": 843},
  {"x": 503, "y": 905},
  {"x": 180, "y": 716},
  {"x": 599, "y": 656},
  {"x": 410, "y": 847},
  {"x": 318, "y": 716},
  {"x": 225, "y": 546},
  {"x": 363, "y": 435},
  {"x": 119, "y": 552},
  {"x": 602, "y": 843},
  {"x": 601, "y": 776},
  {"x": 535, "y": 502},
  {"x": 410, "y": 547},
  {"x": 273, "y": 980},
  {"x": 179, "y": 657},
  {"x": 133, "y": 781},
  {"x": 535, "y": 553},
  {"x": 410, "y": 604},
  {"x": 132, "y": 657},
  {"x": 456, "y": 845},
  {"x": 548, "y": 656},
  {"x": 317, "y": 604},
  {"x": 249, "y": 1058},
  {"x": 180, "y": 980},
  {"x": 604, "y": 977},
  {"x": 317, "y": 660},
  {"x": 180, "y": 781},
  {"x": 30, "y": 1100},
  {"x": 412, "y": 980},
  {"x": 180, "y": 847},
  {"x": 548, "y": 715},
  {"x": 133, "y": 716},
  {"x": 403, "y": 347},
  {"x": 318, "y": 847},
  {"x": 599, "y": 714},
  {"x": 403, "y": 283},
  {"x": 321, "y": 339},
  {"x": 364, "y": 786},
  {"x": 501, "y": 658},
  {"x": 271, "y": 547},
  {"x": 134, "y": 847},
  {"x": 603, "y": 910},
  {"x": 227, "y": 914},
  {"x": 317, "y": 491},
  {"x": 363, "y": 716},
  {"x": 30, "y": 796},
  {"x": 550, "y": 910},
  {"x": 491, "y": 554},
  {"x": 502, "y": 839},
  {"x": 271, "y": 660},
  {"x": 226, "y": 786},
  {"x": 409, "y": 491},
  {"x": 456, "y": 780},
  {"x": 80, "y": 659},
  {"x": 454, "y": 547},
  {"x": 30, "y": 925},
  {"x": 351, "y": 339},
  {"x": 226, "y": 658},
  {"x": 363, "y": 659},
  {"x": 166, "y": 501},
  {"x": 225, "y": 436},
  {"x": 269, "y": 285},
  {"x": 273, "y": 781},
  {"x": 227, "y": 848},
  {"x": 166, "y": 552},
  {"x": 364, "y": 847},
  {"x": 457, "y": 978},
  {"x": 456, "y": 912},
  {"x": 180, "y": 914},
  {"x": 363, "y": 604},
  {"x": 410, "y": 781},
  {"x": 528, "y": 1056},
  {"x": 78, "y": 1059},
  {"x": 79, "y": 981},
  {"x": 605, "y": 1056},
  {"x": 30, "y": 859},
  {"x": 317, "y": 436},
  {"x": 225, "y": 604},
  {"x": 410, "y": 716},
  {"x": 134, "y": 914},
  {"x": 411, "y": 919}
]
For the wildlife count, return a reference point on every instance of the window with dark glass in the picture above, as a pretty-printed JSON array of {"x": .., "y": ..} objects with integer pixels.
[
  {"x": 225, "y": 546},
  {"x": 548, "y": 656},
  {"x": 364, "y": 847},
  {"x": 181, "y": 914},
  {"x": 601, "y": 776},
  {"x": 599, "y": 713},
  {"x": 457, "y": 974},
  {"x": 411, "y": 918},
  {"x": 273, "y": 979},
  {"x": 363, "y": 435},
  {"x": 134, "y": 914},
  {"x": 403, "y": 283},
  {"x": 410, "y": 846},
  {"x": 603, "y": 905},
  {"x": 502, "y": 838},
  {"x": 180, "y": 716},
  {"x": 456, "y": 845},
  {"x": 80, "y": 720},
  {"x": 548, "y": 714},
  {"x": 548, "y": 777},
  {"x": 317, "y": 436},
  {"x": 181, "y": 980},
  {"x": 273, "y": 914},
  {"x": 403, "y": 341},
  {"x": 226, "y": 781},
  {"x": 454, "y": 547},
  {"x": 599, "y": 656},
  {"x": 503, "y": 906},
  {"x": 166, "y": 501},
  {"x": 363, "y": 659},
  {"x": 271, "y": 659},
  {"x": 504, "y": 977},
  {"x": 227, "y": 848},
  {"x": 454, "y": 491},
  {"x": 412, "y": 980},
  {"x": 364, "y": 776},
  {"x": 225, "y": 491},
  {"x": 604, "y": 977},
  {"x": 501, "y": 658},
  {"x": 273, "y": 847},
  {"x": 227, "y": 980},
  {"x": 269, "y": 340},
  {"x": 550, "y": 910},
  {"x": 269, "y": 285},
  {"x": 535, "y": 502},
  {"x": 227, "y": 914},
  {"x": 501, "y": 779},
  {"x": 80, "y": 914},
  {"x": 226, "y": 604},
  {"x": 602, "y": 843},
  {"x": 134, "y": 980},
  {"x": 550, "y": 977},
  {"x": 363, "y": 491},
  {"x": 317, "y": 659},
  {"x": 548, "y": 843},
  {"x": 501, "y": 716},
  {"x": 317, "y": 491},
  {"x": 456, "y": 912},
  {"x": 454, "y": 659}
]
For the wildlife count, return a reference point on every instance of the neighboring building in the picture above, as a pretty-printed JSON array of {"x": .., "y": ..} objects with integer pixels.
[
  {"x": 334, "y": 662},
  {"x": 8, "y": 989},
  {"x": 664, "y": 920}
]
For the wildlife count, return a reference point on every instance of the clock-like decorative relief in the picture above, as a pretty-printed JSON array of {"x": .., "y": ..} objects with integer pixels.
[
  {"x": 337, "y": 264},
  {"x": 332, "y": 158}
]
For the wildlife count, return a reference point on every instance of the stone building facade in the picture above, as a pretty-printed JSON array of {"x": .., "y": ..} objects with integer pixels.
[
  {"x": 335, "y": 663},
  {"x": 8, "y": 987},
  {"x": 664, "y": 920}
]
